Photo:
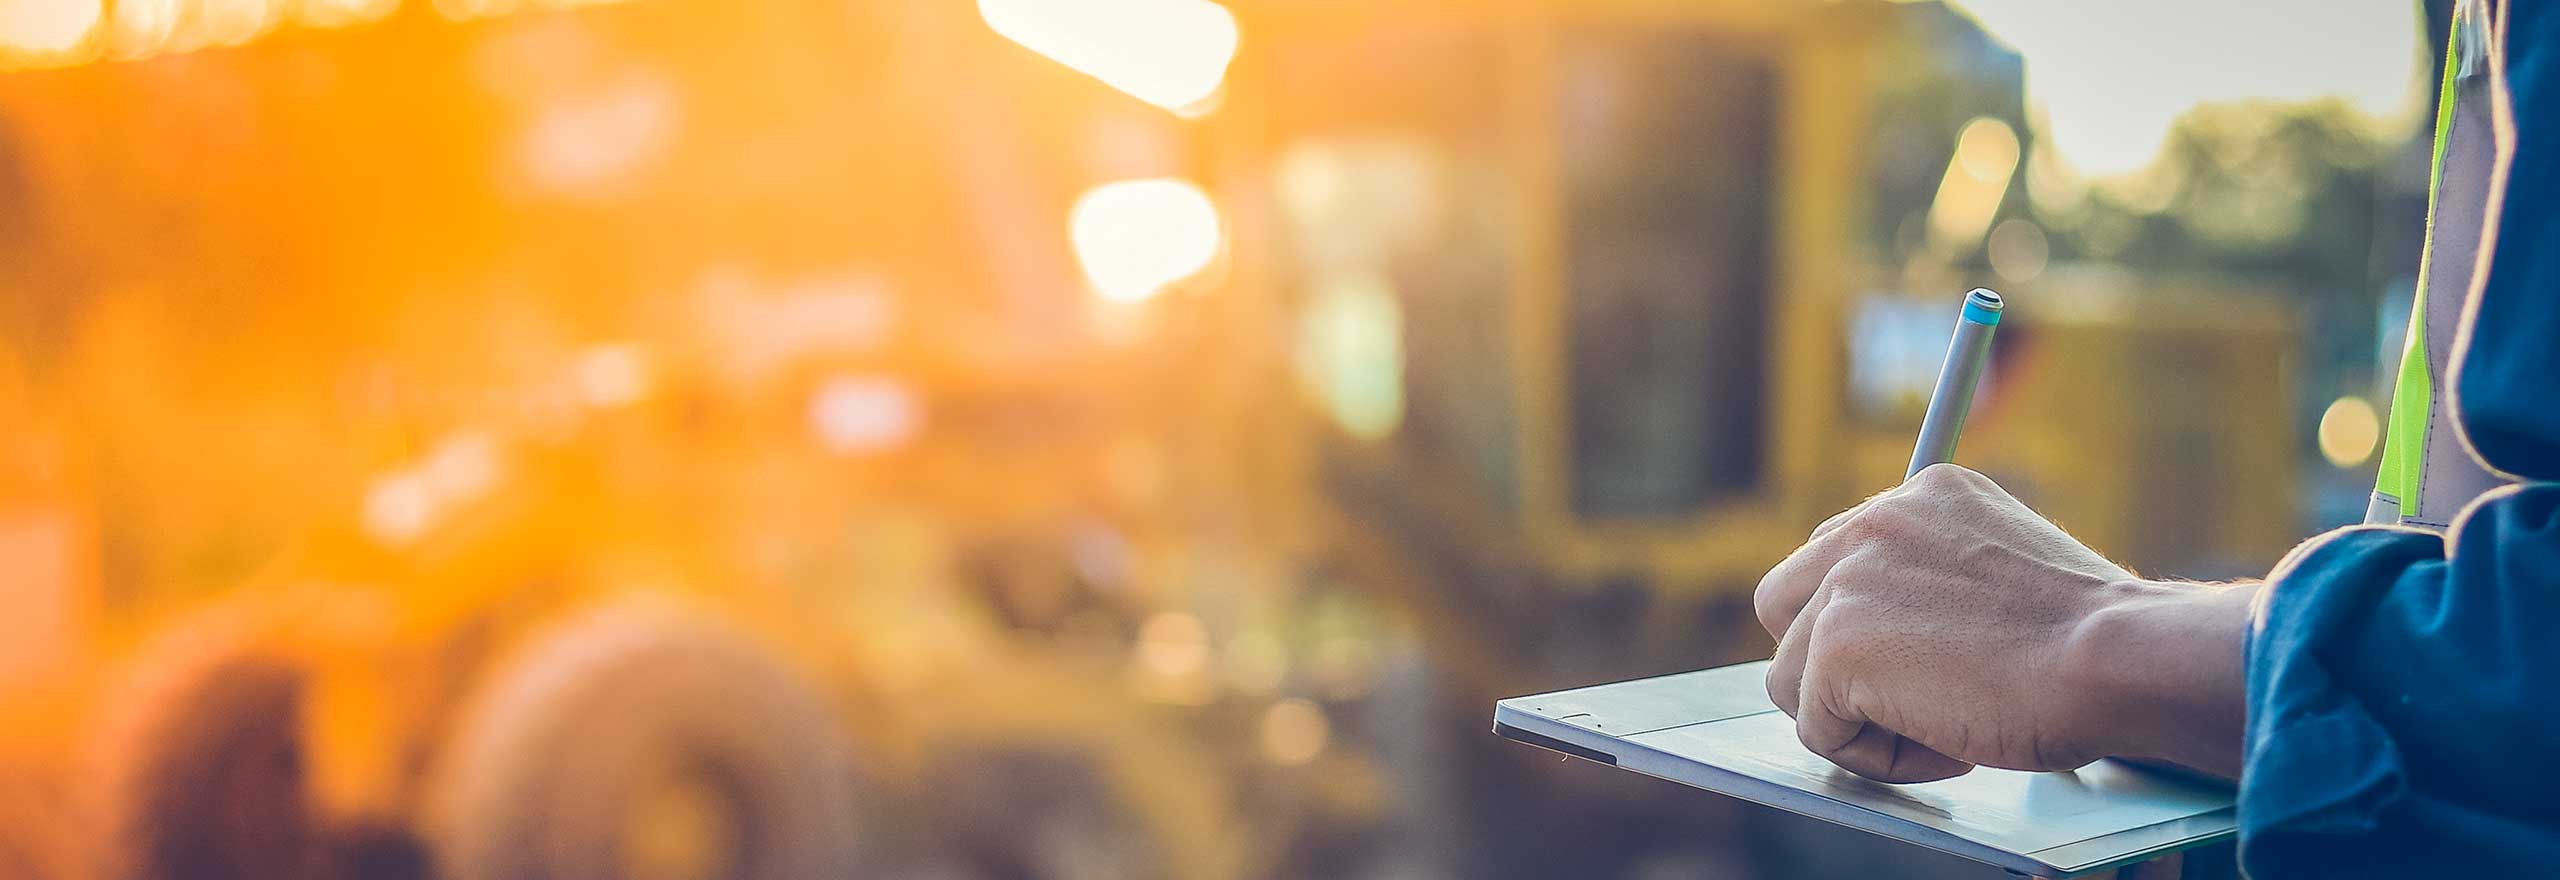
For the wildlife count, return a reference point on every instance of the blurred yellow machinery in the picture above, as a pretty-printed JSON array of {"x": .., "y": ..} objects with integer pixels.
[
  {"x": 1661, "y": 284},
  {"x": 689, "y": 440}
]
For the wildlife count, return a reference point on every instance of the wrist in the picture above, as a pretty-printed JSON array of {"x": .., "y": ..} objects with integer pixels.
[{"x": 2159, "y": 671}]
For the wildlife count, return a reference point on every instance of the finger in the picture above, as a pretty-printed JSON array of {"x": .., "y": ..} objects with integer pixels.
[
  {"x": 1949, "y": 474},
  {"x": 1783, "y": 592},
  {"x": 1842, "y": 518},
  {"x": 1789, "y": 584},
  {"x": 1842, "y": 734},
  {"x": 1882, "y": 755},
  {"x": 1785, "y": 678}
]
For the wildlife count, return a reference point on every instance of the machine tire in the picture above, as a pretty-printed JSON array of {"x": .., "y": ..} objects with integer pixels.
[
  {"x": 195, "y": 764},
  {"x": 550, "y": 756}
]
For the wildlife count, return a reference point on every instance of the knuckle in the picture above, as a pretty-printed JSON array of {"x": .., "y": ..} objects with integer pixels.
[
  {"x": 1950, "y": 477},
  {"x": 1812, "y": 740},
  {"x": 1769, "y": 606},
  {"x": 1905, "y": 527},
  {"x": 1774, "y": 585},
  {"x": 1835, "y": 630},
  {"x": 1844, "y": 588},
  {"x": 1839, "y": 640},
  {"x": 1976, "y": 479},
  {"x": 1874, "y": 522},
  {"x": 1885, "y": 520},
  {"x": 1819, "y": 729}
]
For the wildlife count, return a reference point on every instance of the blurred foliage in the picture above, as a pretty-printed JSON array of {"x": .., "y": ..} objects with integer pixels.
[
  {"x": 2301, "y": 199},
  {"x": 2247, "y": 188}
]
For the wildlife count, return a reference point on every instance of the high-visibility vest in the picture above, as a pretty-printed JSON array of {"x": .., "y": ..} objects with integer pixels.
[{"x": 2429, "y": 472}]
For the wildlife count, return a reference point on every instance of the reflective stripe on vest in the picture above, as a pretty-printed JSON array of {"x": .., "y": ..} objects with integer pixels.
[{"x": 2428, "y": 475}]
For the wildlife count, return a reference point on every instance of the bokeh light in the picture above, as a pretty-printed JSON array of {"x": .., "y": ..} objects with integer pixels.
[
  {"x": 1170, "y": 53},
  {"x": 614, "y": 375},
  {"x": 855, "y": 415},
  {"x": 1294, "y": 732},
  {"x": 460, "y": 10},
  {"x": 2019, "y": 250},
  {"x": 464, "y": 466},
  {"x": 1977, "y": 178},
  {"x": 142, "y": 27},
  {"x": 1257, "y": 663},
  {"x": 1351, "y": 354},
  {"x": 2349, "y": 428},
  {"x": 398, "y": 508},
  {"x": 48, "y": 26},
  {"x": 340, "y": 13},
  {"x": 1134, "y": 237},
  {"x": 1173, "y": 644},
  {"x": 232, "y": 22}
]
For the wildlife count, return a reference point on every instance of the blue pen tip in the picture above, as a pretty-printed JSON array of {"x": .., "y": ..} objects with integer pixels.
[{"x": 1982, "y": 306}]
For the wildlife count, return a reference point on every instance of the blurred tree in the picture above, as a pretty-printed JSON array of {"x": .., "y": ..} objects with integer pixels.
[
  {"x": 2310, "y": 201},
  {"x": 2280, "y": 191}
]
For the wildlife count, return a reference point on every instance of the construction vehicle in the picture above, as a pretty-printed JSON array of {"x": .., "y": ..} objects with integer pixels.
[
  {"x": 433, "y": 535},
  {"x": 674, "y": 439}
]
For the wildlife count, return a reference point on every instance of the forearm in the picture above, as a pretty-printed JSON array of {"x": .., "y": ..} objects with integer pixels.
[{"x": 2164, "y": 667}]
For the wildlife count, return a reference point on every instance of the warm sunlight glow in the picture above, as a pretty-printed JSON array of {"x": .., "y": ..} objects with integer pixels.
[
  {"x": 232, "y": 22},
  {"x": 136, "y": 29},
  {"x": 1977, "y": 178},
  {"x": 142, "y": 27},
  {"x": 47, "y": 26},
  {"x": 1170, "y": 53},
  {"x": 463, "y": 10},
  {"x": 864, "y": 415},
  {"x": 340, "y": 13},
  {"x": 2348, "y": 431},
  {"x": 1294, "y": 732},
  {"x": 1136, "y": 236}
]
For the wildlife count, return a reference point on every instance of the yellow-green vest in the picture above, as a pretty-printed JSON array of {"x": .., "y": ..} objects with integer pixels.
[{"x": 2429, "y": 473}]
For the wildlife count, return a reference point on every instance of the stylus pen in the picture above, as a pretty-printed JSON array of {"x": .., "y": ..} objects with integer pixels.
[{"x": 1967, "y": 354}]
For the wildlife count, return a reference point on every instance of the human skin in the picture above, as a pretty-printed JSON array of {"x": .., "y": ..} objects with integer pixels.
[{"x": 1943, "y": 625}]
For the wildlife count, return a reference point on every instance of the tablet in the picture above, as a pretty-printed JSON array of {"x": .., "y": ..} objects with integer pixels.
[{"x": 1716, "y": 729}]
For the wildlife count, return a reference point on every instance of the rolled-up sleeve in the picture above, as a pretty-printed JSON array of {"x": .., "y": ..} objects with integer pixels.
[{"x": 2404, "y": 702}]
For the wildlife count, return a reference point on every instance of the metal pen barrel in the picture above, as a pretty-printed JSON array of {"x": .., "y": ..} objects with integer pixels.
[{"x": 1967, "y": 354}]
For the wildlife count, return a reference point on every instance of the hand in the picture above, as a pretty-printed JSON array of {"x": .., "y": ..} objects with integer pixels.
[{"x": 1942, "y": 625}]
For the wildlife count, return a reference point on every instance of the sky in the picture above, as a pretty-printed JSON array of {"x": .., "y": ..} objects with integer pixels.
[{"x": 2107, "y": 78}]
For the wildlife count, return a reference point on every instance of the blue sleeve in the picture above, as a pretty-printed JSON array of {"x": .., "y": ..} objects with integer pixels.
[{"x": 2402, "y": 702}]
